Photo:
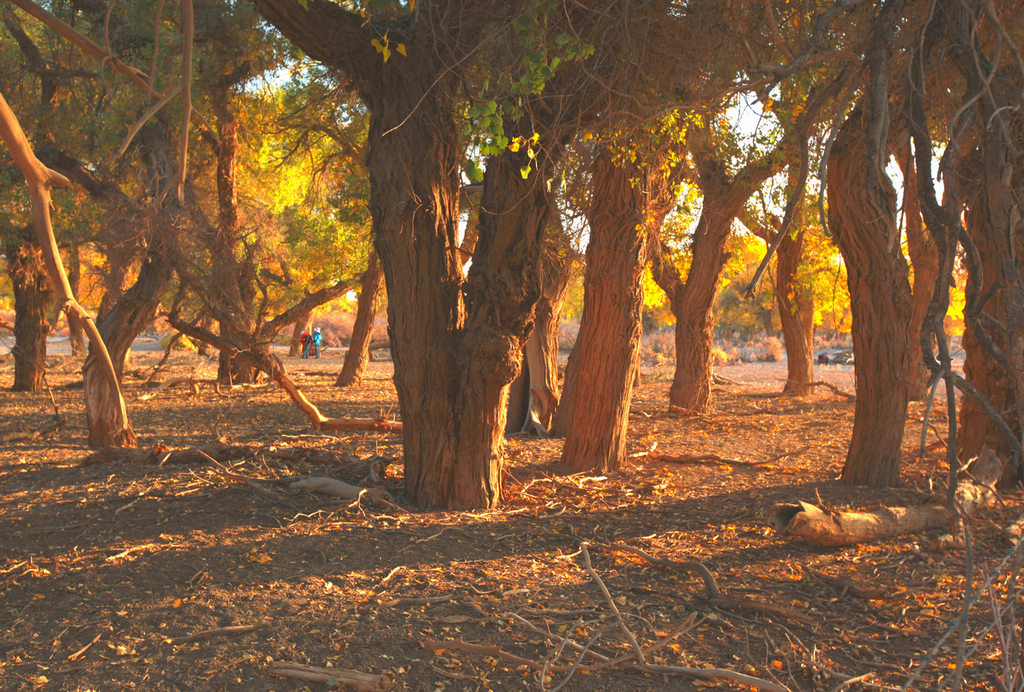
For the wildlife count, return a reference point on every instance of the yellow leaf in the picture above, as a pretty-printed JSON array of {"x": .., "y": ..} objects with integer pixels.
[
  {"x": 514, "y": 145},
  {"x": 386, "y": 53},
  {"x": 400, "y": 48},
  {"x": 177, "y": 603},
  {"x": 377, "y": 44}
]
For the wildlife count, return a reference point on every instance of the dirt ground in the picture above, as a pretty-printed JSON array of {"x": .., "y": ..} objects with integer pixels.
[{"x": 119, "y": 575}]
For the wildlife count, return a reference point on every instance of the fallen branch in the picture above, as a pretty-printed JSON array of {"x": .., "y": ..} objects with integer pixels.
[
  {"x": 232, "y": 631},
  {"x": 331, "y": 486},
  {"x": 611, "y": 603},
  {"x": 714, "y": 594},
  {"x": 845, "y": 585},
  {"x": 813, "y": 525},
  {"x": 835, "y": 389},
  {"x": 364, "y": 682},
  {"x": 271, "y": 365},
  {"x": 700, "y": 673},
  {"x": 192, "y": 383}
]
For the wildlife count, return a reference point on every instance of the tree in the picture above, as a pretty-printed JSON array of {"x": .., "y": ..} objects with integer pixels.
[
  {"x": 862, "y": 212},
  {"x": 456, "y": 343}
]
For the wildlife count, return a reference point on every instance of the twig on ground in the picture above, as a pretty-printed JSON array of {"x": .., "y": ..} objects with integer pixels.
[
  {"x": 611, "y": 603},
  {"x": 232, "y": 631}
]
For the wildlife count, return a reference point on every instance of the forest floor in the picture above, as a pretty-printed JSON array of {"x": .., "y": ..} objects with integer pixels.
[{"x": 121, "y": 575}]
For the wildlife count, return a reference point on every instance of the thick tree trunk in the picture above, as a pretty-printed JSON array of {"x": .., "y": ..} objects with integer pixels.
[
  {"x": 502, "y": 290},
  {"x": 924, "y": 258},
  {"x": 32, "y": 296},
  {"x": 605, "y": 359},
  {"x": 411, "y": 166},
  {"x": 358, "y": 354},
  {"x": 796, "y": 314},
  {"x": 862, "y": 211}
]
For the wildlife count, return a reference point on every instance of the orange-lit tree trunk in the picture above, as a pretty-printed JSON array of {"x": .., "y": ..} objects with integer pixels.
[
  {"x": 604, "y": 361},
  {"x": 536, "y": 393},
  {"x": 32, "y": 295},
  {"x": 995, "y": 224},
  {"x": 691, "y": 300},
  {"x": 796, "y": 313},
  {"x": 358, "y": 354},
  {"x": 862, "y": 213}
]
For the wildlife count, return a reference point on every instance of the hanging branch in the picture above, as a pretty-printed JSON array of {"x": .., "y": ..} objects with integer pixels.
[
  {"x": 40, "y": 179},
  {"x": 188, "y": 31}
]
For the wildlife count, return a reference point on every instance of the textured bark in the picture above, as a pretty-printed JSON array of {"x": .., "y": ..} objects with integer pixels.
[
  {"x": 32, "y": 295},
  {"x": 605, "y": 359},
  {"x": 535, "y": 394},
  {"x": 358, "y": 354},
  {"x": 796, "y": 314},
  {"x": 862, "y": 213},
  {"x": 995, "y": 225},
  {"x": 925, "y": 259}
]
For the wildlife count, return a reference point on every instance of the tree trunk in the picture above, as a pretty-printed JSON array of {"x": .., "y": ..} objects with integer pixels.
[
  {"x": 862, "y": 211},
  {"x": 924, "y": 258},
  {"x": 796, "y": 314},
  {"x": 76, "y": 334},
  {"x": 415, "y": 164},
  {"x": 302, "y": 326},
  {"x": 692, "y": 301},
  {"x": 603, "y": 364},
  {"x": 32, "y": 295},
  {"x": 995, "y": 225},
  {"x": 358, "y": 354},
  {"x": 534, "y": 396}
]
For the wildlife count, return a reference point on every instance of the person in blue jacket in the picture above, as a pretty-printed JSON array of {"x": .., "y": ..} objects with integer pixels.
[{"x": 317, "y": 338}]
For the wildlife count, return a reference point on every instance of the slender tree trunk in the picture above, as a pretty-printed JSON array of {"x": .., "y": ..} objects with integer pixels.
[
  {"x": 691, "y": 302},
  {"x": 925, "y": 259},
  {"x": 535, "y": 393},
  {"x": 605, "y": 359},
  {"x": 32, "y": 296},
  {"x": 76, "y": 333},
  {"x": 358, "y": 354},
  {"x": 796, "y": 314},
  {"x": 862, "y": 211}
]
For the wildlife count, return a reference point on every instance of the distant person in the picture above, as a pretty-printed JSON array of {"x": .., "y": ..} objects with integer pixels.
[
  {"x": 316, "y": 339},
  {"x": 307, "y": 340},
  {"x": 822, "y": 359}
]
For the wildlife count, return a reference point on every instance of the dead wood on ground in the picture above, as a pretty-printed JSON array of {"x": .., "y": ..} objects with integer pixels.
[
  {"x": 811, "y": 524},
  {"x": 363, "y": 682}
]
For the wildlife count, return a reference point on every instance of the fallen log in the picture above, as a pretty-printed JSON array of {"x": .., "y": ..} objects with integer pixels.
[
  {"x": 354, "y": 679},
  {"x": 332, "y": 486},
  {"x": 811, "y": 524}
]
